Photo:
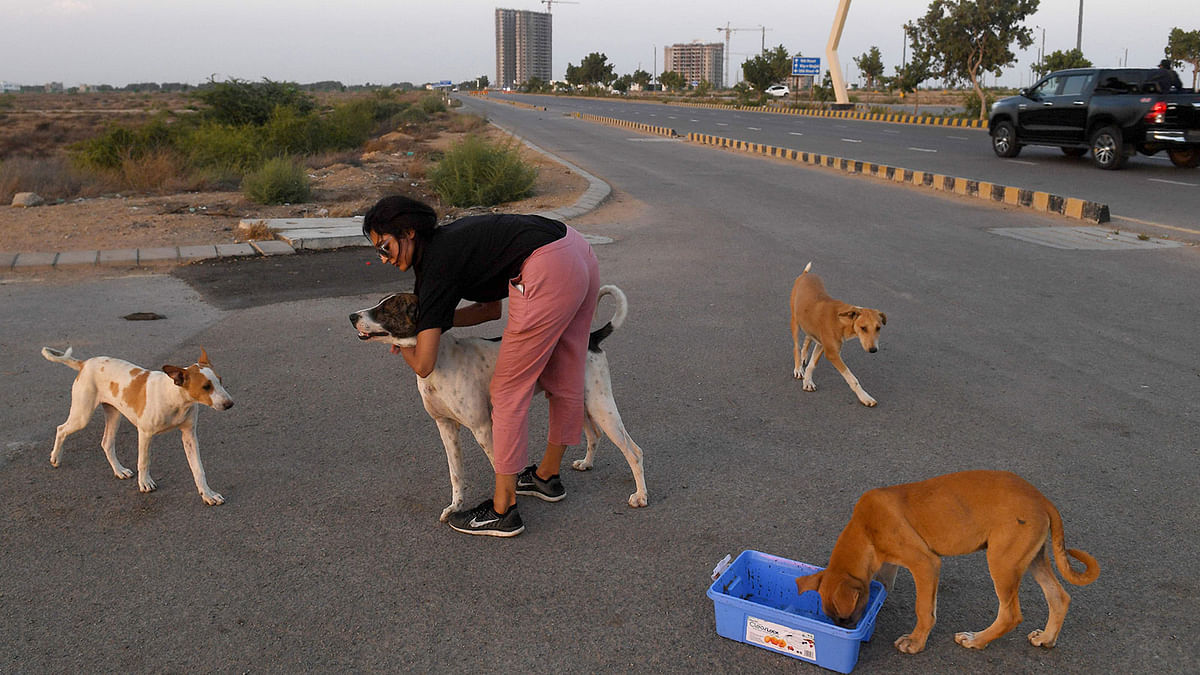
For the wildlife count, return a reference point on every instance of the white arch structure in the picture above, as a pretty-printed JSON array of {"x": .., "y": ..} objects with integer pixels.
[{"x": 835, "y": 66}]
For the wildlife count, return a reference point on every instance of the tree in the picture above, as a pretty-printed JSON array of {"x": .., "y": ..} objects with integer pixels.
[
  {"x": 908, "y": 80},
  {"x": 622, "y": 83},
  {"x": 1060, "y": 60},
  {"x": 961, "y": 40},
  {"x": 1185, "y": 46},
  {"x": 483, "y": 81},
  {"x": 641, "y": 78},
  {"x": 594, "y": 69},
  {"x": 870, "y": 64},
  {"x": 672, "y": 80},
  {"x": 764, "y": 70}
]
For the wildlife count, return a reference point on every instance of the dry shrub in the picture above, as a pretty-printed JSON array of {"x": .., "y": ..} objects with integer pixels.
[
  {"x": 466, "y": 123},
  {"x": 324, "y": 159},
  {"x": 256, "y": 231},
  {"x": 154, "y": 171},
  {"x": 50, "y": 177}
]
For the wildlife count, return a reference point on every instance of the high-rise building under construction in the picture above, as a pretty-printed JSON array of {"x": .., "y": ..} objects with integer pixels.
[
  {"x": 696, "y": 62},
  {"x": 523, "y": 47}
]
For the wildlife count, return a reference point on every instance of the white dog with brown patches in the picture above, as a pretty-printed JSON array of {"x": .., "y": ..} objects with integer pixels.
[
  {"x": 154, "y": 401},
  {"x": 455, "y": 394},
  {"x": 827, "y": 324}
]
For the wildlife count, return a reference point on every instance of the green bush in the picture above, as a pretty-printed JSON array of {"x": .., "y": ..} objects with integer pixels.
[
  {"x": 431, "y": 105},
  {"x": 475, "y": 172},
  {"x": 236, "y": 149},
  {"x": 279, "y": 181},
  {"x": 237, "y": 102}
]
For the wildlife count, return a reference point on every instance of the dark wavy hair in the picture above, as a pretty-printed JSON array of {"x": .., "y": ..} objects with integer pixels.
[{"x": 398, "y": 214}]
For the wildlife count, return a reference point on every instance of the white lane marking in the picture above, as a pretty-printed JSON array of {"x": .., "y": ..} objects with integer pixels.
[
  {"x": 754, "y": 129},
  {"x": 1173, "y": 182},
  {"x": 959, "y": 138},
  {"x": 722, "y": 124},
  {"x": 852, "y": 140},
  {"x": 671, "y": 117},
  {"x": 653, "y": 140},
  {"x": 889, "y": 131},
  {"x": 693, "y": 120},
  {"x": 795, "y": 133},
  {"x": 1020, "y": 161},
  {"x": 923, "y": 149}
]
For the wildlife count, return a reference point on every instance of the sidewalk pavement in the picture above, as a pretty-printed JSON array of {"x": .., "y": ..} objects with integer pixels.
[{"x": 292, "y": 234}]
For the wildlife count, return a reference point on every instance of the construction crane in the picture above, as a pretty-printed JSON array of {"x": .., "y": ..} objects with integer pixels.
[
  {"x": 728, "y": 31},
  {"x": 550, "y": 4}
]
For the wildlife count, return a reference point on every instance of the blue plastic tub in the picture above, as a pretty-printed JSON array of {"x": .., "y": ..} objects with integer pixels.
[{"x": 756, "y": 602}]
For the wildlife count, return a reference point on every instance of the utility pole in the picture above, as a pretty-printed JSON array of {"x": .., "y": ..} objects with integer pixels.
[{"x": 1079, "y": 31}]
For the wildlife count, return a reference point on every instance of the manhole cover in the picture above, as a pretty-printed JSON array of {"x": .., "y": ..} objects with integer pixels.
[{"x": 1084, "y": 238}]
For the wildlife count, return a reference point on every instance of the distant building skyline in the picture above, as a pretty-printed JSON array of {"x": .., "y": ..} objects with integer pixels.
[
  {"x": 696, "y": 61},
  {"x": 524, "y": 47}
]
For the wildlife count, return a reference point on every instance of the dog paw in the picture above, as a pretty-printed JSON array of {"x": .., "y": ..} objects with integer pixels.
[
  {"x": 1039, "y": 638},
  {"x": 809, "y": 385},
  {"x": 638, "y": 499},
  {"x": 867, "y": 401},
  {"x": 147, "y": 484},
  {"x": 122, "y": 473},
  {"x": 581, "y": 465},
  {"x": 908, "y": 644},
  {"x": 969, "y": 640},
  {"x": 453, "y": 508},
  {"x": 798, "y": 373},
  {"x": 212, "y": 498}
]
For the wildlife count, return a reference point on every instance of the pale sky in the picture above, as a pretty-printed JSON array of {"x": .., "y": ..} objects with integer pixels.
[{"x": 372, "y": 41}]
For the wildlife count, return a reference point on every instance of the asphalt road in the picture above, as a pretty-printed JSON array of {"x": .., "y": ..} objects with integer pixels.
[
  {"x": 1150, "y": 189},
  {"x": 1076, "y": 369}
]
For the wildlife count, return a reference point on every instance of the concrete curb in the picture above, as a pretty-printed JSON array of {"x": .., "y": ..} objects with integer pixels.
[
  {"x": 155, "y": 256},
  {"x": 1071, "y": 207}
]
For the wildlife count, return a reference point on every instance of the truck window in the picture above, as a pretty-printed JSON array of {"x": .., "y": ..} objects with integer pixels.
[
  {"x": 1049, "y": 87},
  {"x": 1074, "y": 85}
]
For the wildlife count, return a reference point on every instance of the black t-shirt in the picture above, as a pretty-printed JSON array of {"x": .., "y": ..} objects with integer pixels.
[{"x": 473, "y": 258}]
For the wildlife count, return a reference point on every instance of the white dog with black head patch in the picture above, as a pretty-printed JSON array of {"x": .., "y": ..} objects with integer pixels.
[{"x": 455, "y": 394}]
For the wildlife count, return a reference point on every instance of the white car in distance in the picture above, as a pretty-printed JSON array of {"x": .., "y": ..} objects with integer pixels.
[{"x": 778, "y": 90}]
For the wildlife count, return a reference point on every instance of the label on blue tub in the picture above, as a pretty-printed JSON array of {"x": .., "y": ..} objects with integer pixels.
[{"x": 781, "y": 638}]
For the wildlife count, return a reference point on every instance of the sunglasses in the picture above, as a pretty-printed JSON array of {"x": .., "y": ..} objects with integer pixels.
[{"x": 385, "y": 250}]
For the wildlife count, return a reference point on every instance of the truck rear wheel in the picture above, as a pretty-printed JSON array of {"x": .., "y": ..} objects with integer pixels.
[
  {"x": 1108, "y": 148},
  {"x": 1004, "y": 140},
  {"x": 1185, "y": 159}
]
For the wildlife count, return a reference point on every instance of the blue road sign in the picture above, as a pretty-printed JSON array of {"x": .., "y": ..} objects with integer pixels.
[{"x": 806, "y": 65}]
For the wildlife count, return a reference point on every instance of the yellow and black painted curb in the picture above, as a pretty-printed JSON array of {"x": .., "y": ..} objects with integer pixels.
[
  {"x": 1045, "y": 202},
  {"x": 636, "y": 126},
  {"x": 895, "y": 118},
  {"x": 516, "y": 104}
]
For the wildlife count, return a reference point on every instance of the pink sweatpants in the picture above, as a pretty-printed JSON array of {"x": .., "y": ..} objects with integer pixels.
[{"x": 545, "y": 342}]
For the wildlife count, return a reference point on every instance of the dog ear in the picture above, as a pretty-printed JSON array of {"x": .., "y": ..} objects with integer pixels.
[
  {"x": 808, "y": 583},
  {"x": 179, "y": 375},
  {"x": 883, "y": 318},
  {"x": 845, "y": 600},
  {"x": 850, "y": 314},
  {"x": 204, "y": 359}
]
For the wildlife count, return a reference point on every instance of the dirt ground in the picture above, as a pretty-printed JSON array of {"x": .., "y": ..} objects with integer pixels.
[{"x": 393, "y": 163}]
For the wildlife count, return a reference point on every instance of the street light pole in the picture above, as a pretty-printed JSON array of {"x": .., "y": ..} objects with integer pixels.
[{"x": 1079, "y": 31}]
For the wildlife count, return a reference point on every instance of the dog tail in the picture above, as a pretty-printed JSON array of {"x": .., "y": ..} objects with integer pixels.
[
  {"x": 617, "y": 320},
  {"x": 64, "y": 358},
  {"x": 807, "y": 267},
  {"x": 1061, "y": 552}
]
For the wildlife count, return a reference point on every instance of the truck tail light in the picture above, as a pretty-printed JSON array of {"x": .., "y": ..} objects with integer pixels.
[{"x": 1157, "y": 113}]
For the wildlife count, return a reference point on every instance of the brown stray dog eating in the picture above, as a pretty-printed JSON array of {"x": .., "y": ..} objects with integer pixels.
[
  {"x": 827, "y": 323},
  {"x": 913, "y": 525}
]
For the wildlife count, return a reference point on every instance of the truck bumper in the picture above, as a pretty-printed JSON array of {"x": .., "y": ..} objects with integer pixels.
[{"x": 1180, "y": 136}]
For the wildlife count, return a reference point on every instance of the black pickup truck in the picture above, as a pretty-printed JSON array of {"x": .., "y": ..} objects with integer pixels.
[{"x": 1112, "y": 112}]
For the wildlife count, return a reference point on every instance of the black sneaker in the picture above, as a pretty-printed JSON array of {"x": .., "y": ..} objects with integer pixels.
[
  {"x": 484, "y": 520},
  {"x": 550, "y": 490}
]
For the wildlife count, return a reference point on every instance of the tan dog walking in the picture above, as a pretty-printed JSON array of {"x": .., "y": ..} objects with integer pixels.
[
  {"x": 827, "y": 324},
  {"x": 915, "y": 524}
]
